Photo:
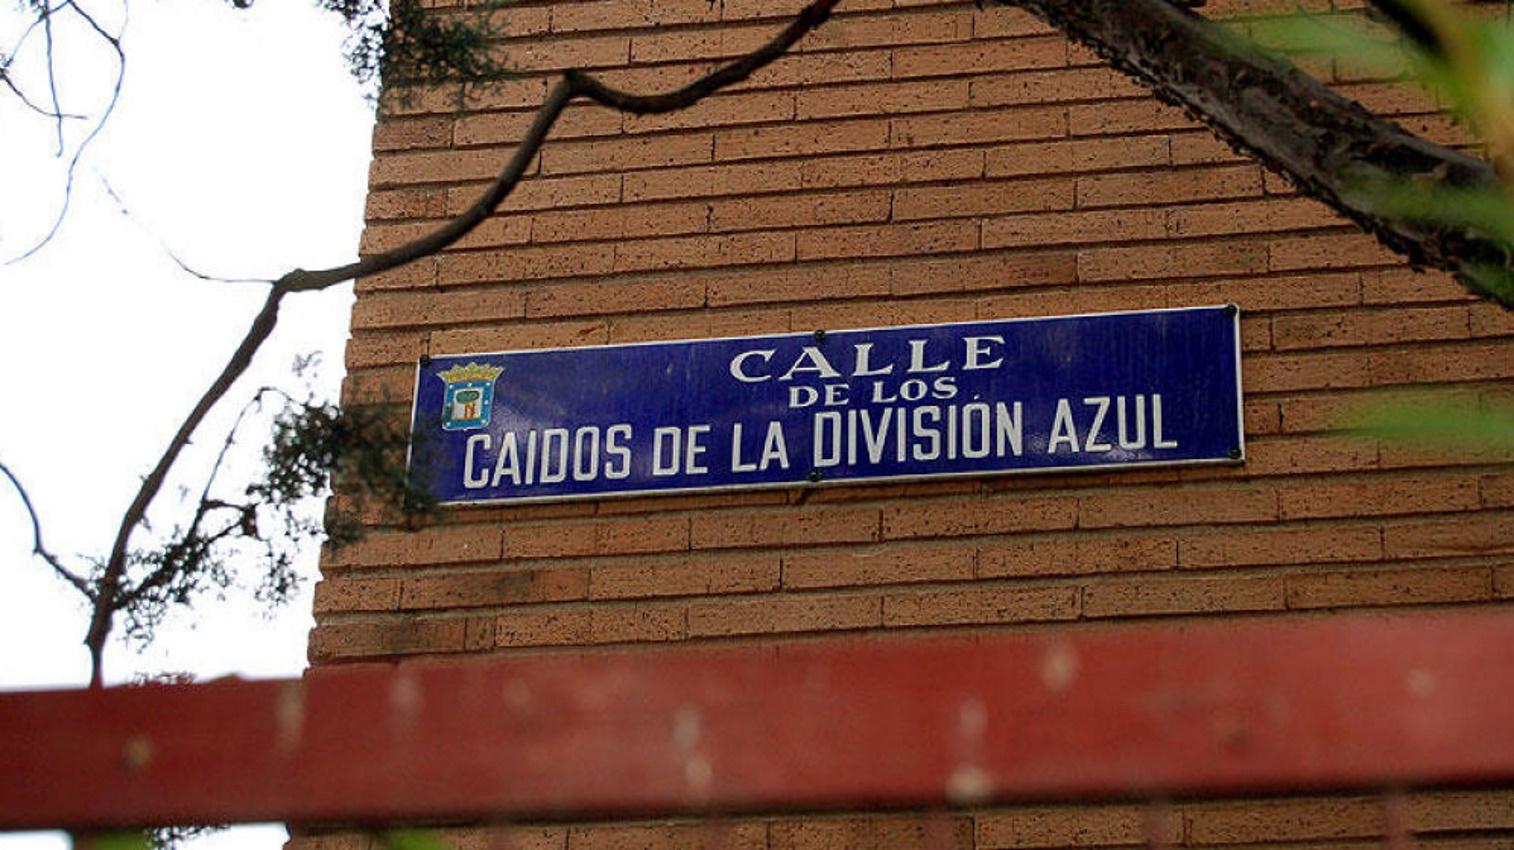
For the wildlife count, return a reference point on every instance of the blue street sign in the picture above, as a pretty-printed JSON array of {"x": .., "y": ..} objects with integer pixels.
[{"x": 972, "y": 398}]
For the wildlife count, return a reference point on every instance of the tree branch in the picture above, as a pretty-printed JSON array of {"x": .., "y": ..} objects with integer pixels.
[
  {"x": 572, "y": 84},
  {"x": 38, "y": 548},
  {"x": 1329, "y": 146},
  {"x": 110, "y": 107}
]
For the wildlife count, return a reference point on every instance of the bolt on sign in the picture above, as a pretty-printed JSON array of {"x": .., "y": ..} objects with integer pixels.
[{"x": 1065, "y": 393}]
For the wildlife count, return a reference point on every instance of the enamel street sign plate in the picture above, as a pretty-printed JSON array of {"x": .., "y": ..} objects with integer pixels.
[{"x": 1050, "y": 394}]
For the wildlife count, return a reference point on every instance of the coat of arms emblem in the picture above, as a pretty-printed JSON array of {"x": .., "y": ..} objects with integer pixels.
[{"x": 470, "y": 396}]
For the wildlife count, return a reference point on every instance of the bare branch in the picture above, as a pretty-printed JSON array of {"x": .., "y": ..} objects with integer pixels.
[
  {"x": 38, "y": 548},
  {"x": 163, "y": 244},
  {"x": 573, "y": 84},
  {"x": 1328, "y": 145},
  {"x": 27, "y": 102},
  {"x": 73, "y": 165},
  {"x": 204, "y": 506},
  {"x": 52, "y": 75}
]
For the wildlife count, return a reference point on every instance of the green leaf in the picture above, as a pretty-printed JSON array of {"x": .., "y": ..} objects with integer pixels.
[
  {"x": 412, "y": 839},
  {"x": 1424, "y": 422},
  {"x": 1487, "y": 210},
  {"x": 123, "y": 841}
]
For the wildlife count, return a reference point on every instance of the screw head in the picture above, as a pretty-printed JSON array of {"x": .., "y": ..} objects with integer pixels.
[
  {"x": 1235, "y": 453},
  {"x": 815, "y": 475},
  {"x": 820, "y": 335}
]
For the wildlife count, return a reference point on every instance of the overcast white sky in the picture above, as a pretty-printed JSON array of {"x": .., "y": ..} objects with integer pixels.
[{"x": 242, "y": 142}]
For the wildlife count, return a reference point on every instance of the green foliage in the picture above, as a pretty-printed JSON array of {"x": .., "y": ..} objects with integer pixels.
[
  {"x": 312, "y": 445},
  {"x": 412, "y": 839},
  {"x": 1436, "y": 423},
  {"x": 364, "y": 448},
  {"x": 123, "y": 841}
]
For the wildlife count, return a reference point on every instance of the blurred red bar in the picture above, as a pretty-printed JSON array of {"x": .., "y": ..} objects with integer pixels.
[{"x": 1338, "y": 703}]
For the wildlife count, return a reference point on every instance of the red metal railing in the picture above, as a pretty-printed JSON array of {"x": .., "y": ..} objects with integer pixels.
[{"x": 1349, "y": 702}]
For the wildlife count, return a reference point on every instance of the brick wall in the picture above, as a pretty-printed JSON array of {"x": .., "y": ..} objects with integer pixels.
[{"x": 917, "y": 162}]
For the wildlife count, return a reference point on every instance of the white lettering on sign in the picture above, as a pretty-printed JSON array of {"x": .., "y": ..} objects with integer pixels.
[{"x": 919, "y": 357}]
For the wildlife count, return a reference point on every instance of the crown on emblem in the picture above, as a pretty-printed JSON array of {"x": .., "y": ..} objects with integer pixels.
[{"x": 471, "y": 372}]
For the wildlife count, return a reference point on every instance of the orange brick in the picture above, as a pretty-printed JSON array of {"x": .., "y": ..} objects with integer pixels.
[
  {"x": 884, "y": 565},
  {"x": 1252, "y": 216},
  {"x": 1379, "y": 496},
  {"x": 799, "y": 283},
  {"x": 806, "y": 210},
  {"x": 409, "y": 636},
  {"x": 785, "y": 613},
  {"x": 1359, "y": 586},
  {"x": 1076, "y": 155},
  {"x": 891, "y": 168},
  {"x": 1058, "y": 86},
  {"x": 689, "y": 835},
  {"x": 484, "y": 589},
  {"x": 881, "y": 98},
  {"x": 704, "y": 251},
  {"x": 1143, "y": 116},
  {"x": 800, "y": 139},
  {"x": 520, "y": 336},
  {"x": 1165, "y": 187},
  {"x": 1468, "y": 535},
  {"x": 507, "y": 128},
  {"x": 1292, "y": 372},
  {"x": 1283, "y": 820},
  {"x": 1378, "y": 327},
  {"x": 1296, "y": 455},
  {"x": 1150, "y": 596},
  {"x": 642, "y": 623},
  {"x": 978, "y": 516},
  {"x": 1281, "y": 545},
  {"x": 1069, "y": 826},
  {"x": 542, "y": 627},
  {"x": 980, "y": 606},
  {"x": 1074, "y": 228},
  {"x": 1159, "y": 261},
  {"x": 720, "y": 111},
  {"x": 686, "y": 577},
  {"x": 897, "y": 28},
  {"x": 1456, "y": 811},
  {"x": 888, "y": 240},
  {"x": 1329, "y": 252},
  {"x": 982, "y": 271},
  {"x": 624, "y": 154},
  {"x": 808, "y": 526},
  {"x": 428, "y": 202},
  {"x": 620, "y": 222},
  {"x": 981, "y": 57},
  {"x": 926, "y": 832},
  {"x": 572, "y": 299},
  {"x": 711, "y": 181},
  {"x": 1403, "y": 286},
  {"x": 441, "y": 545},
  {"x": 596, "y": 537},
  {"x": 1177, "y": 506},
  {"x": 524, "y": 263},
  {"x": 981, "y": 198},
  {"x": 356, "y": 594},
  {"x": 958, "y": 128}
]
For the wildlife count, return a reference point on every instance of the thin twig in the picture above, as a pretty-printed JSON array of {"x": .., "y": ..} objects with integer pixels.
[
  {"x": 163, "y": 244},
  {"x": 73, "y": 165},
  {"x": 573, "y": 84},
  {"x": 52, "y": 76},
  {"x": 206, "y": 503},
  {"x": 38, "y": 548},
  {"x": 27, "y": 102}
]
